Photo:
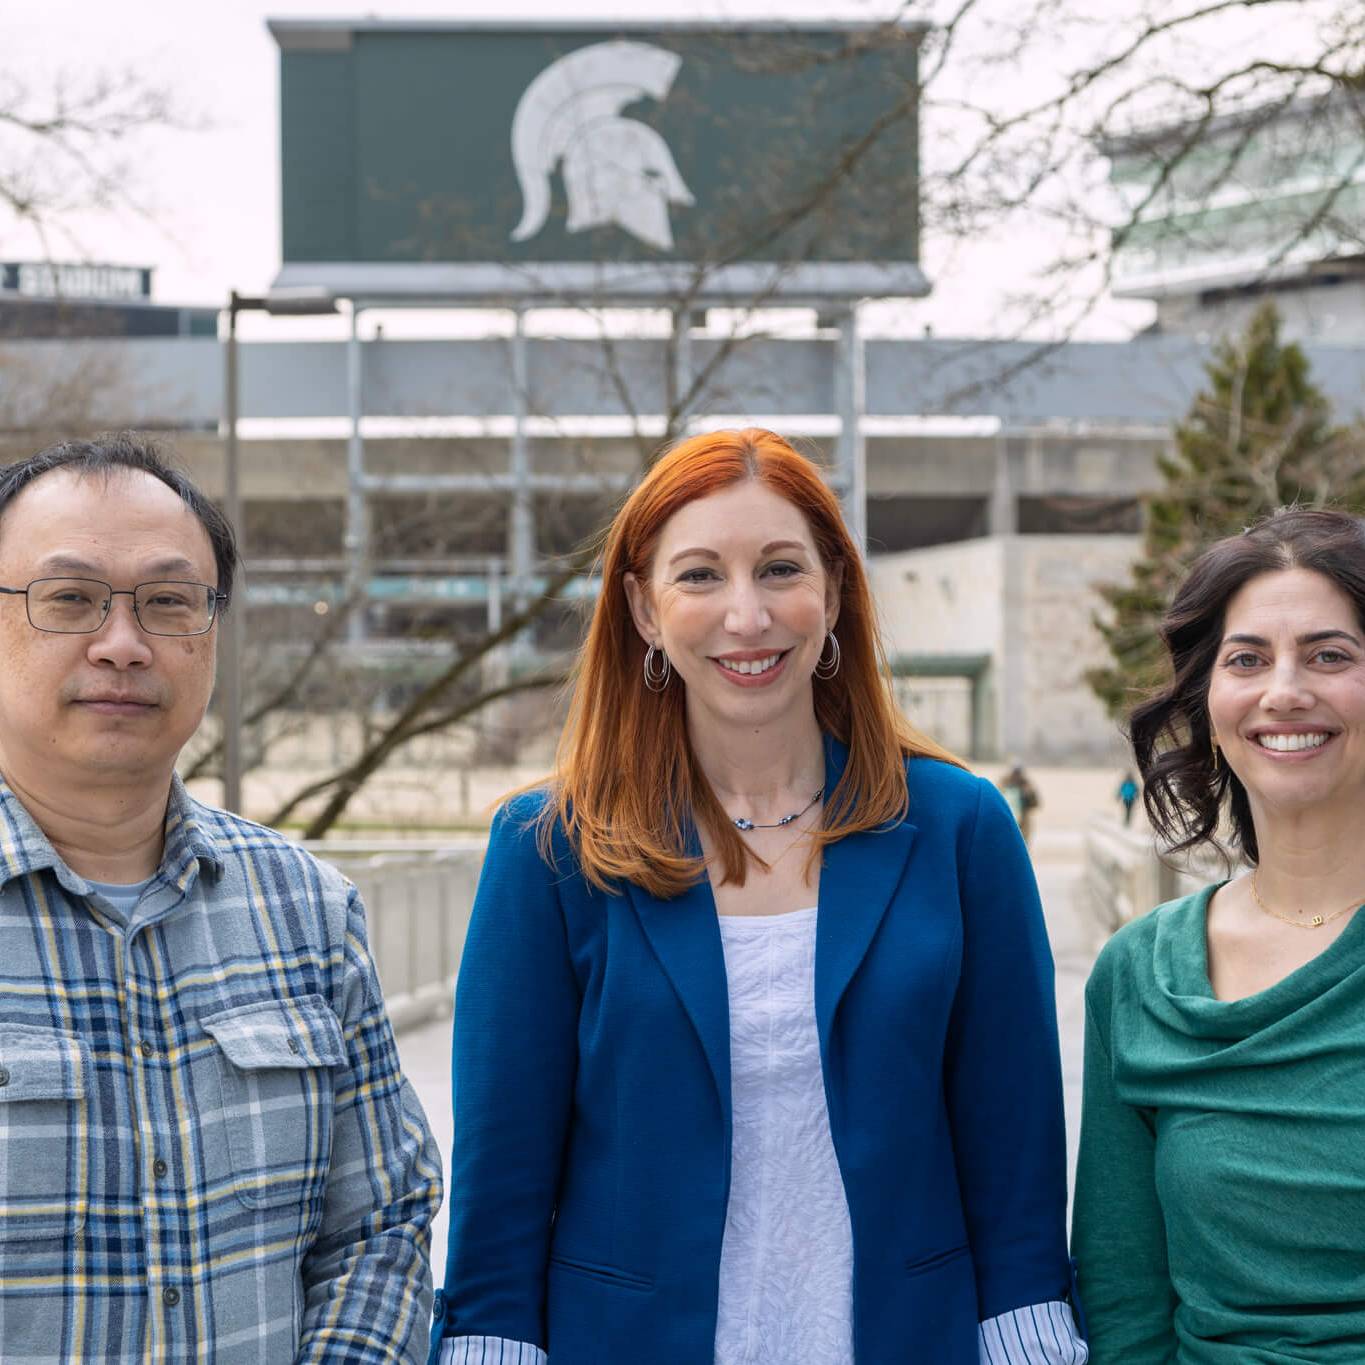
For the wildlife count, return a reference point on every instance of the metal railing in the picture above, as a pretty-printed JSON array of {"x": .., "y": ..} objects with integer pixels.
[{"x": 417, "y": 902}]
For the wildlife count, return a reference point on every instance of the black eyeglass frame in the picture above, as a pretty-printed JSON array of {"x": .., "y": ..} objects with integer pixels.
[{"x": 215, "y": 598}]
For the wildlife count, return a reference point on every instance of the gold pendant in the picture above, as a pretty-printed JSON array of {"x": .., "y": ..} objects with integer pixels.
[{"x": 1316, "y": 920}]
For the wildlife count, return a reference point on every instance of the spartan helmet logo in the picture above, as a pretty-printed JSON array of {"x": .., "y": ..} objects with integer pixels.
[{"x": 615, "y": 169}]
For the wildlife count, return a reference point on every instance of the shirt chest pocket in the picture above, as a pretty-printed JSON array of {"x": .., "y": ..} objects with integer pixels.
[
  {"x": 45, "y": 1078},
  {"x": 275, "y": 1061}
]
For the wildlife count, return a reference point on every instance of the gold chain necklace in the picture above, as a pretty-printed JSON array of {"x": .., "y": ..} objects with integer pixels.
[{"x": 1315, "y": 923}]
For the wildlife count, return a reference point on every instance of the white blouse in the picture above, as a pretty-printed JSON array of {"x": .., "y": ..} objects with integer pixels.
[{"x": 786, "y": 1261}]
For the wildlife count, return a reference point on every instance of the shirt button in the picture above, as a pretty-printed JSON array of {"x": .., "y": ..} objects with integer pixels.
[
  {"x": 293, "y": 1047},
  {"x": 170, "y": 1296},
  {"x": 159, "y": 1168},
  {"x": 146, "y": 1049},
  {"x": 4, "y": 1075}
]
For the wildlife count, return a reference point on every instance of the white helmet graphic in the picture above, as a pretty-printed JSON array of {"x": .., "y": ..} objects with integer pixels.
[{"x": 615, "y": 169}]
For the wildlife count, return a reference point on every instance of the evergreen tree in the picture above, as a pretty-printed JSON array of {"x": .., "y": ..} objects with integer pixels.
[{"x": 1260, "y": 436}]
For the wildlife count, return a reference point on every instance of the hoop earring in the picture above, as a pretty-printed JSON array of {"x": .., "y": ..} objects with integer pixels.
[
  {"x": 824, "y": 670},
  {"x": 656, "y": 678}
]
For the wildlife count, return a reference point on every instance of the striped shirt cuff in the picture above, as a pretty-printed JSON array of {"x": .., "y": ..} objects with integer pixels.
[
  {"x": 1041, "y": 1334},
  {"x": 492, "y": 1351}
]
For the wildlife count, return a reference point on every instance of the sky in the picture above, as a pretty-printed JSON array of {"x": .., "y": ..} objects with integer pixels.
[{"x": 206, "y": 196}]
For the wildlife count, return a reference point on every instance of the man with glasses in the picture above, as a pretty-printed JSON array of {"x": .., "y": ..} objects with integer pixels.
[{"x": 207, "y": 1150}]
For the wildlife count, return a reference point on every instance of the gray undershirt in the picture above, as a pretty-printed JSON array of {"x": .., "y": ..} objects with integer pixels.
[{"x": 122, "y": 897}]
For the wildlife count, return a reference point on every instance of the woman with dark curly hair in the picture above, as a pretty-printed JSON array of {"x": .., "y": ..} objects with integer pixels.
[{"x": 1220, "y": 1195}]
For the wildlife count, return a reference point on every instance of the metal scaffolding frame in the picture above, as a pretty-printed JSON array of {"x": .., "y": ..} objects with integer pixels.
[{"x": 521, "y": 482}]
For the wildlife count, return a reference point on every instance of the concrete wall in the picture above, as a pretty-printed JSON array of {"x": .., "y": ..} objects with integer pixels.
[
  {"x": 1108, "y": 462},
  {"x": 1027, "y": 602},
  {"x": 948, "y": 600},
  {"x": 943, "y": 600},
  {"x": 1049, "y": 713},
  {"x": 1324, "y": 311}
]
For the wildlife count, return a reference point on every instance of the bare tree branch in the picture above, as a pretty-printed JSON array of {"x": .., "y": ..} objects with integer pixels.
[{"x": 64, "y": 149}]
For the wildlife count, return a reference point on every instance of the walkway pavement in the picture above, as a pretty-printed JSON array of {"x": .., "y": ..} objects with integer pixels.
[
  {"x": 1074, "y": 945},
  {"x": 425, "y": 1054},
  {"x": 1057, "y": 854}
]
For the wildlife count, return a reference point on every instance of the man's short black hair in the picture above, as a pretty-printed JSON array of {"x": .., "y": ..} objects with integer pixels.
[{"x": 133, "y": 451}]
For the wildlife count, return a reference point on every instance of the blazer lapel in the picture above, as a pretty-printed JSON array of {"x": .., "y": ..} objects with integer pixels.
[
  {"x": 859, "y": 879},
  {"x": 686, "y": 939},
  {"x": 857, "y": 882}
]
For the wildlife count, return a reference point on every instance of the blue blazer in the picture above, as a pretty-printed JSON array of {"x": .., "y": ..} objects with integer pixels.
[{"x": 591, "y": 1164}]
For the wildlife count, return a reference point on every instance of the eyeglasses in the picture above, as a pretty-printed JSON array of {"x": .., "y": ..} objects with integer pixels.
[{"x": 80, "y": 606}]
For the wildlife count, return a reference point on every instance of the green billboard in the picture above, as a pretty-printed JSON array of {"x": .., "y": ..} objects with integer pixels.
[{"x": 483, "y": 160}]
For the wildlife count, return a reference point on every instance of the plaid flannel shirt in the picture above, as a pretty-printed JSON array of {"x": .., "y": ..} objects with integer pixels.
[{"x": 207, "y": 1151}]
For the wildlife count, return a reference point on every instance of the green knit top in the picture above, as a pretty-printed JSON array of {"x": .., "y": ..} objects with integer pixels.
[{"x": 1220, "y": 1193}]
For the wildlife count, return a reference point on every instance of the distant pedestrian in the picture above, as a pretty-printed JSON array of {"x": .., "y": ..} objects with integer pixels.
[
  {"x": 1021, "y": 796},
  {"x": 1128, "y": 794}
]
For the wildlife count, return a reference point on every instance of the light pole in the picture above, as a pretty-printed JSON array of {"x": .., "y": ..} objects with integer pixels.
[{"x": 231, "y": 625}]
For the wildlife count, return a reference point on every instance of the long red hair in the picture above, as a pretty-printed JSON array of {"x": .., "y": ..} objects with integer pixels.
[{"x": 626, "y": 784}]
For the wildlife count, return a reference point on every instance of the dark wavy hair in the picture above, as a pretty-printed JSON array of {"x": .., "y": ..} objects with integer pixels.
[{"x": 1185, "y": 787}]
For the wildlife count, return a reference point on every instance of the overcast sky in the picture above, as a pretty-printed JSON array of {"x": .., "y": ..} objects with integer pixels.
[{"x": 209, "y": 196}]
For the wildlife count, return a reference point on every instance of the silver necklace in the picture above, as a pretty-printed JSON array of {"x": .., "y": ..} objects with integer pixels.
[{"x": 740, "y": 823}]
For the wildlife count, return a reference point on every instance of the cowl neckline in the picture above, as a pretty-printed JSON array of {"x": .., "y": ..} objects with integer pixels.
[{"x": 1186, "y": 997}]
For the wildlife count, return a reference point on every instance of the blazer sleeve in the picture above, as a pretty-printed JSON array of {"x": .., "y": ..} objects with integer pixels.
[
  {"x": 1003, "y": 1073},
  {"x": 514, "y": 1056},
  {"x": 1118, "y": 1232}
]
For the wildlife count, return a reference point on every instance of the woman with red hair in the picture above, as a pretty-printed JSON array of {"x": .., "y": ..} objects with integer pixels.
[{"x": 755, "y": 1046}]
